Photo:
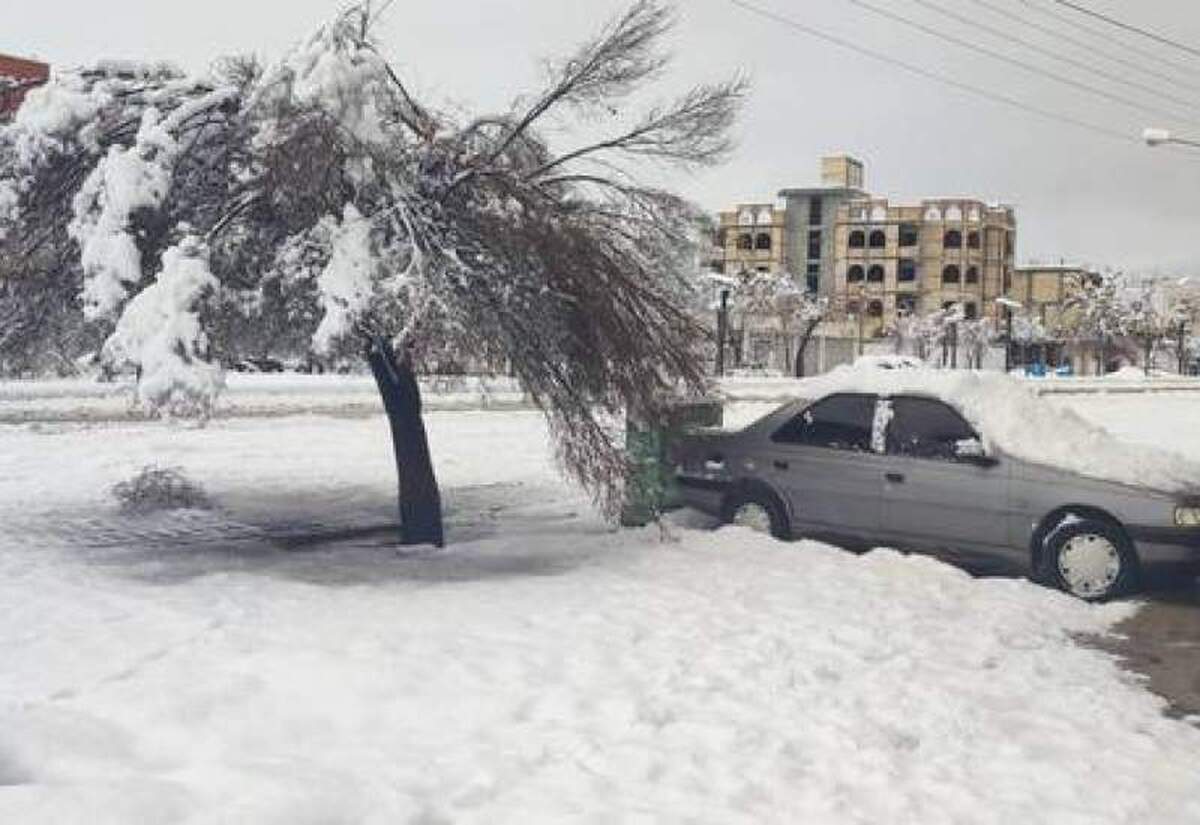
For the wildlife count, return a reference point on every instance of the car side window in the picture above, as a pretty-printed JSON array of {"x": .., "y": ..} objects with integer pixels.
[
  {"x": 926, "y": 428},
  {"x": 839, "y": 422}
]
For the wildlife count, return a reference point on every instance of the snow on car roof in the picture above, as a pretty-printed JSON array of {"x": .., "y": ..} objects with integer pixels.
[{"x": 1012, "y": 418}]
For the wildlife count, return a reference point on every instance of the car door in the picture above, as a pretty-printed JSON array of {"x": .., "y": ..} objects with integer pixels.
[
  {"x": 933, "y": 495},
  {"x": 822, "y": 458}
]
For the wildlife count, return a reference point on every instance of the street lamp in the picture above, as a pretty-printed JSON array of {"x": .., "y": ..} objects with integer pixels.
[{"x": 1155, "y": 136}]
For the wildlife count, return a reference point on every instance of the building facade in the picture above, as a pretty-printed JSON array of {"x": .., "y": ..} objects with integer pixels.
[
  {"x": 893, "y": 259},
  {"x": 1045, "y": 289},
  {"x": 17, "y": 77}
]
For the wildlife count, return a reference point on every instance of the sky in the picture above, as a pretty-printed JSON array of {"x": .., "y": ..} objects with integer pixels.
[{"x": 1080, "y": 195}]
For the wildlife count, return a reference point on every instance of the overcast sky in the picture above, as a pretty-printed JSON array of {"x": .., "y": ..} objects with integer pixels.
[{"x": 1079, "y": 195}]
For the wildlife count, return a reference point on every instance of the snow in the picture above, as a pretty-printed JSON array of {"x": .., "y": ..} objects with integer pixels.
[
  {"x": 275, "y": 659},
  {"x": 346, "y": 284},
  {"x": 1010, "y": 416},
  {"x": 160, "y": 332}
]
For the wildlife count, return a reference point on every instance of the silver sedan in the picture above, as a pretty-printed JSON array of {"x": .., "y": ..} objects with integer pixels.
[{"x": 909, "y": 471}]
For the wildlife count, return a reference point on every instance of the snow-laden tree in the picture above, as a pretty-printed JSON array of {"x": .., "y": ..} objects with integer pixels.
[
  {"x": 775, "y": 300},
  {"x": 320, "y": 191}
]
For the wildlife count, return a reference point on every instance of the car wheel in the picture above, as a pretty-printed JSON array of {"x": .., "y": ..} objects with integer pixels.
[
  {"x": 1090, "y": 559},
  {"x": 759, "y": 512}
]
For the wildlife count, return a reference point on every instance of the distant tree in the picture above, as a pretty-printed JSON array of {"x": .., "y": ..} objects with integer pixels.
[
  {"x": 777, "y": 299},
  {"x": 321, "y": 193}
]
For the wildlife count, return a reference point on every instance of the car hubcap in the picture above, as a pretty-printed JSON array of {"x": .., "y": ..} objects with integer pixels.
[
  {"x": 754, "y": 516},
  {"x": 1089, "y": 564}
]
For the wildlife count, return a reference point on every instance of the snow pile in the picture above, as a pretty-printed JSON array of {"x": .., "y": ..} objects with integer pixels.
[
  {"x": 545, "y": 670},
  {"x": 1011, "y": 417}
]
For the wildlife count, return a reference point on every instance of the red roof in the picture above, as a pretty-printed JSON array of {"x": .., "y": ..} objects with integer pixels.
[{"x": 18, "y": 76}]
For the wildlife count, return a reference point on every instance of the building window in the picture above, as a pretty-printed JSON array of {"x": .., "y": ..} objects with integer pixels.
[
  {"x": 875, "y": 274},
  {"x": 1007, "y": 280},
  {"x": 814, "y": 246},
  {"x": 906, "y": 304},
  {"x": 953, "y": 239},
  {"x": 745, "y": 241},
  {"x": 858, "y": 239},
  {"x": 972, "y": 240},
  {"x": 909, "y": 234},
  {"x": 812, "y": 281},
  {"x": 951, "y": 275},
  {"x": 763, "y": 241},
  {"x": 1008, "y": 244},
  {"x": 816, "y": 212},
  {"x": 875, "y": 309},
  {"x": 970, "y": 311},
  {"x": 878, "y": 239},
  {"x": 906, "y": 272},
  {"x": 854, "y": 275},
  {"x": 972, "y": 275},
  {"x": 852, "y": 308}
]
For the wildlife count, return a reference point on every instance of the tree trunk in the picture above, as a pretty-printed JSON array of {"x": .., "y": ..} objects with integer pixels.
[
  {"x": 805, "y": 337},
  {"x": 419, "y": 497}
]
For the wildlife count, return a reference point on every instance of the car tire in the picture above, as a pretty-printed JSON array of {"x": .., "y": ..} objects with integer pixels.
[
  {"x": 1089, "y": 558},
  {"x": 759, "y": 511}
]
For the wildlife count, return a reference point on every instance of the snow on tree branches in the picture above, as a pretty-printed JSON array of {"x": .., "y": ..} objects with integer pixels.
[{"x": 320, "y": 190}]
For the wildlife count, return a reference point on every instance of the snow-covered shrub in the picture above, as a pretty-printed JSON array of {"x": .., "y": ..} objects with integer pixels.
[{"x": 157, "y": 488}]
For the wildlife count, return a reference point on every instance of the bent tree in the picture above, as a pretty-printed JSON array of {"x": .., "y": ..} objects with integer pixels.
[{"x": 319, "y": 194}]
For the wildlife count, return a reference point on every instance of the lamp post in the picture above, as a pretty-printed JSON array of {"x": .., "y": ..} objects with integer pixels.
[{"x": 1155, "y": 137}]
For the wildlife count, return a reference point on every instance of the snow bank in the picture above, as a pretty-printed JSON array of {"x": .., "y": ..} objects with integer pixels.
[
  {"x": 1011, "y": 417},
  {"x": 189, "y": 668}
]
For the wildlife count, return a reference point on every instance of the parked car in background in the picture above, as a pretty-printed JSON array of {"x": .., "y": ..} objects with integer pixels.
[{"x": 902, "y": 463}]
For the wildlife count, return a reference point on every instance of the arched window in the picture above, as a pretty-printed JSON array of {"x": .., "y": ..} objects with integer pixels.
[
  {"x": 906, "y": 272},
  {"x": 970, "y": 311},
  {"x": 745, "y": 241},
  {"x": 933, "y": 214},
  {"x": 765, "y": 217},
  {"x": 763, "y": 241},
  {"x": 954, "y": 239},
  {"x": 972, "y": 240},
  {"x": 953, "y": 213},
  {"x": 854, "y": 275},
  {"x": 909, "y": 234},
  {"x": 858, "y": 239},
  {"x": 951, "y": 275},
  {"x": 875, "y": 274},
  {"x": 878, "y": 239},
  {"x": 972, "y": 275},
  {"x": 875, "y": 309},
  {"x": 879, "y": 213},
  {"x": 746, "y": 217}
]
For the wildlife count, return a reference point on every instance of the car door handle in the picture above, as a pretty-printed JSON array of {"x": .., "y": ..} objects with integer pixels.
[
  {"x": 894, "y": 478},
  {"x": 781, "y": 465}
]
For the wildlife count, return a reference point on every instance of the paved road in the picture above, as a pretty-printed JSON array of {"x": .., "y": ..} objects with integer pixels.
[{"x": 1162, "y": 642}]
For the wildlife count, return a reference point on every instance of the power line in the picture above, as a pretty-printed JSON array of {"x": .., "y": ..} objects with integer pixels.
[
  {"x": 1158, "y": 38},
  {"x": 995, "y": 97},
  {"x": 1020, "y": 64},
  {"x": 1109, "y": 38},
  {"x": 1090, "y": 47},
  {"x": 1053, "y": 55}
]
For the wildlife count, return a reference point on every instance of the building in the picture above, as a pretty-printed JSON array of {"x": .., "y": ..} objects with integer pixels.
[
  {"x": 17, "y": 77},
  {"x": 870, "y": 258},
  {"x": 1045, "y": 289},
  {"x": 892, "y": 259},
  {"x": 750, "y": 238}
]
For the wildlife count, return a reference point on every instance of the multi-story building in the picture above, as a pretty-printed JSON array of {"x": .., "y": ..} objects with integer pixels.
[
  {"x": 871, "y": 259},
  {"x": 751, "y": 239},
  {"x": 17, "y": 77},
  {"x": 812, "y": 214},
  {"x": 919, "y": 258}
]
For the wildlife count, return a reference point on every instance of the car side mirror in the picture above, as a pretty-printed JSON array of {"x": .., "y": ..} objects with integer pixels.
[{"x": 970, "y": 451}]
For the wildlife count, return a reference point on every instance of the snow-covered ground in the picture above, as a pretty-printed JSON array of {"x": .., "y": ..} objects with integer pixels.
[{"x": 276, "y": 660}]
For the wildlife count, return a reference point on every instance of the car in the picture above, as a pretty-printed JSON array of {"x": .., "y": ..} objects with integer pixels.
[{"x": 917, "y": 461}]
